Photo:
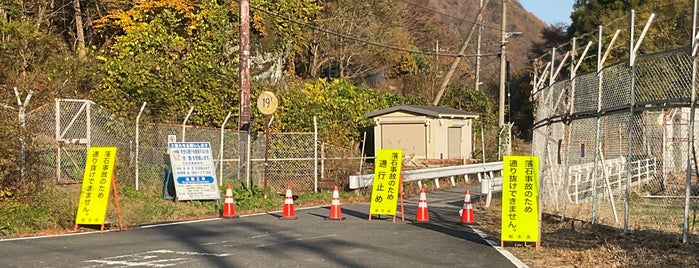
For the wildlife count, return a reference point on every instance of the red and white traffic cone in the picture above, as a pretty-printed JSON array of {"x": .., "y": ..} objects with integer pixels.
[
  {"x": 335, "y": 210},
  {"x": 467, "y": 210},
  {"x": 229, "y": 205},
  {"x": 422, "y": 213},
  {"x": 289, "y": 213}
]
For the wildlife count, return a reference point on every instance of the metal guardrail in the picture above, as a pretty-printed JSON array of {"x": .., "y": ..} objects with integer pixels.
[
  {"x": 360, "y": 181},
  {"x": 490, "y": 184}
]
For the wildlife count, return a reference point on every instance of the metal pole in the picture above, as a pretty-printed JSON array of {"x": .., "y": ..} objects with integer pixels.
[
  {"x": 264, "y": 176},
  {"x": 361, "y": 157},
  {"x": 315, "y": 153},
  {"x": 483, "y": 143},
  {"x": 598, "y": 154},
  {"x": 58, "y": 139},
  {"x": 138, "y": 139},
  {"x": 595, "y": 154},
  {"x": 692, "y": 114},
  {"x": 23, "y": 124},
  {"x": 247, "y": 154},
  {"x": 220, "y": 151},
  {"x": 633, "y": 48},
  {"x": 88, "y": 123},
  {"x": 184, "y": 124},
  {"x": 567, "y": 125},
  {"x": 631, "y": 118}
]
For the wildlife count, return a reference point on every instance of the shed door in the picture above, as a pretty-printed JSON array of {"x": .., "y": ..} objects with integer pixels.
[
  {"x": 409, "y": 137},
  {"x": 454, "y": 146}
]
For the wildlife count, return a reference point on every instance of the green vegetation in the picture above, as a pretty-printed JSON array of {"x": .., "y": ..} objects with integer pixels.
[
  {"x": 53, "y": 209},
  {"x": 335, "y": 60}
]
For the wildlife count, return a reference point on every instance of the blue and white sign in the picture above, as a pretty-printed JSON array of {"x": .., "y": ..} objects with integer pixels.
[{"x": 193, "y": 170}]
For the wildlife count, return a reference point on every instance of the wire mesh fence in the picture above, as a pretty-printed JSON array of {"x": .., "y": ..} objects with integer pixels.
[
  {"x": 615, "y": 147},
  {"x": 62, "y": 132}
]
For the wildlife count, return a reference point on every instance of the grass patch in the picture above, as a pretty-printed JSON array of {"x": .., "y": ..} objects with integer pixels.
[{"x": 53, "y": 209}]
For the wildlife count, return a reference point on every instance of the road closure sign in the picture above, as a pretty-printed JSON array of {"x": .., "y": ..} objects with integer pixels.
[
  {"x": 97, "y": 182},
  {"x": 193, "y": 171},
  {"x": 520, "y": 199},
  {"x": 386, "y": 185}
]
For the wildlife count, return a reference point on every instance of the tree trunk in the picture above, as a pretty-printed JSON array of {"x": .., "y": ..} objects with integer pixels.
[{"x": 80, "y": 33}]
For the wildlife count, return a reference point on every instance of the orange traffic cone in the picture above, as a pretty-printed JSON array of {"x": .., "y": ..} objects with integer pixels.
[
  {"x": 229, "y": 205},
  {"x": 288, "y": 213},
  {"x": 335, "y": 210},
  {"x": 467, "y": 211},
  {"x": 422, "y": 214}
]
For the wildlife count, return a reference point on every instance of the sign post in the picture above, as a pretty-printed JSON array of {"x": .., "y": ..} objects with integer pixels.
[
  {"x": 520, "y": 200},
  {"x": 387, "y": 186},
  {"x": 267, "y": 103}
]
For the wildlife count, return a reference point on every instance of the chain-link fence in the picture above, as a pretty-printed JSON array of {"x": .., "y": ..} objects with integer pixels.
[
  {"x": 614, "y": 144},
  {"x": 63, "y": 131}
]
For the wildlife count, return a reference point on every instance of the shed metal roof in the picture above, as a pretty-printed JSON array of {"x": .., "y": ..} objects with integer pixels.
[{"x": 432, "y": 111}]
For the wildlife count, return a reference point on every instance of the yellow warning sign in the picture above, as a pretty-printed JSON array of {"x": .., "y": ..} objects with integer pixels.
[
  {"x": 520, "y": 199},
  {"x": 97, "y": 181},
  {"x": 385, "y": 187}
]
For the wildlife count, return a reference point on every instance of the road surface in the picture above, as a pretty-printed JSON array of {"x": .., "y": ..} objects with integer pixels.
[{"x": 264, "y": 240}]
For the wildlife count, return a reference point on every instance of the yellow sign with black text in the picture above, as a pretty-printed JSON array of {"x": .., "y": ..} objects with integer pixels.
[
  {"x": 386, "y": 185},
  {"x": 97, "y": 182},
  {"x": 520, "y": 199}
]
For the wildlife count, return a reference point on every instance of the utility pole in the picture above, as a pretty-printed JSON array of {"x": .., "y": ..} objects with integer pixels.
[
  {"x": 478, "y": 50},
  {"x": 504, "y": 131},
  {"x": 503, "y": 51},
  {"x": 456, "y": 61},
  {"x": 244, "y": 116},
  {"x": 438, "y": 72}
]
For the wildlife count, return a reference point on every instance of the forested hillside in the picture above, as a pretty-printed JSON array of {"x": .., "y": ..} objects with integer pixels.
[{"x": 177, "y": 53}]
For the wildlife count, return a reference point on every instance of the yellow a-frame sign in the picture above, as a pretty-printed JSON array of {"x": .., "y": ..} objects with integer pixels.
[
  {"x": 387, "y": 186},
  {"x": 520, "y": 200},
  {"x": 97, "y": 181}
]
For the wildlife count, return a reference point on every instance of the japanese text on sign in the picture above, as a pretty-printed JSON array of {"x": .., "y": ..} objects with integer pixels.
[
  {"x": 520, "y": 199},
  {"x": 193, "y": 171},
  {"x": 97, "y": 179},
  {"x": 385, "y": 188}
]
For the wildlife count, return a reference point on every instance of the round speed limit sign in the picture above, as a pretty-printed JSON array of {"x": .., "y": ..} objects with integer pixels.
[{"x": 267, "y": 102}]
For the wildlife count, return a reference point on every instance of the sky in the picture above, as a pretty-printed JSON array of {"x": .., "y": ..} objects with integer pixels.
[{"x": 550, "y": 11}]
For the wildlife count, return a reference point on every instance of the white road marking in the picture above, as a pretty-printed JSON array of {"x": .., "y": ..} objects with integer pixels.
[
  {"x": 154, "y": 258},
  {"x": 502, "y": 251},
  {"x": 190, "y": 253}
]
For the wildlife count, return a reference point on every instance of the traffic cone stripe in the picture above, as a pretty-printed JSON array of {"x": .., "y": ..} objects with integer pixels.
[
  {"x": 288, "y": 213},
  {"x": 467, "y": 211},
  {"x": 335, "y": 210},
  {"x": 422, "y": 212},
  {"x": 229, "y": 204}
]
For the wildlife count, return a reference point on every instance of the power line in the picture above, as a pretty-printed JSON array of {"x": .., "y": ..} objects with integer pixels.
[
  {"x": 359, "y": 40},
  {"x": 450, "y": 16}
]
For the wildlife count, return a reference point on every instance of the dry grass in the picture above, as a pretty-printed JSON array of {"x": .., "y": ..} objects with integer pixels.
[{"x": 567, "y": 243}]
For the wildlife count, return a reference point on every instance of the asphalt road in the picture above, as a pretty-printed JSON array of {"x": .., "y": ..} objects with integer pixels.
[{"x": 266, "y": 241}]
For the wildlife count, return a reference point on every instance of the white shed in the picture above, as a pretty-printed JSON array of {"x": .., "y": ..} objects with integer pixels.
[{"x": 424, "y": 132}]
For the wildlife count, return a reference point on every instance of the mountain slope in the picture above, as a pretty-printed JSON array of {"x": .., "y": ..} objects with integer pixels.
[{"x": 447, "y": 23}]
